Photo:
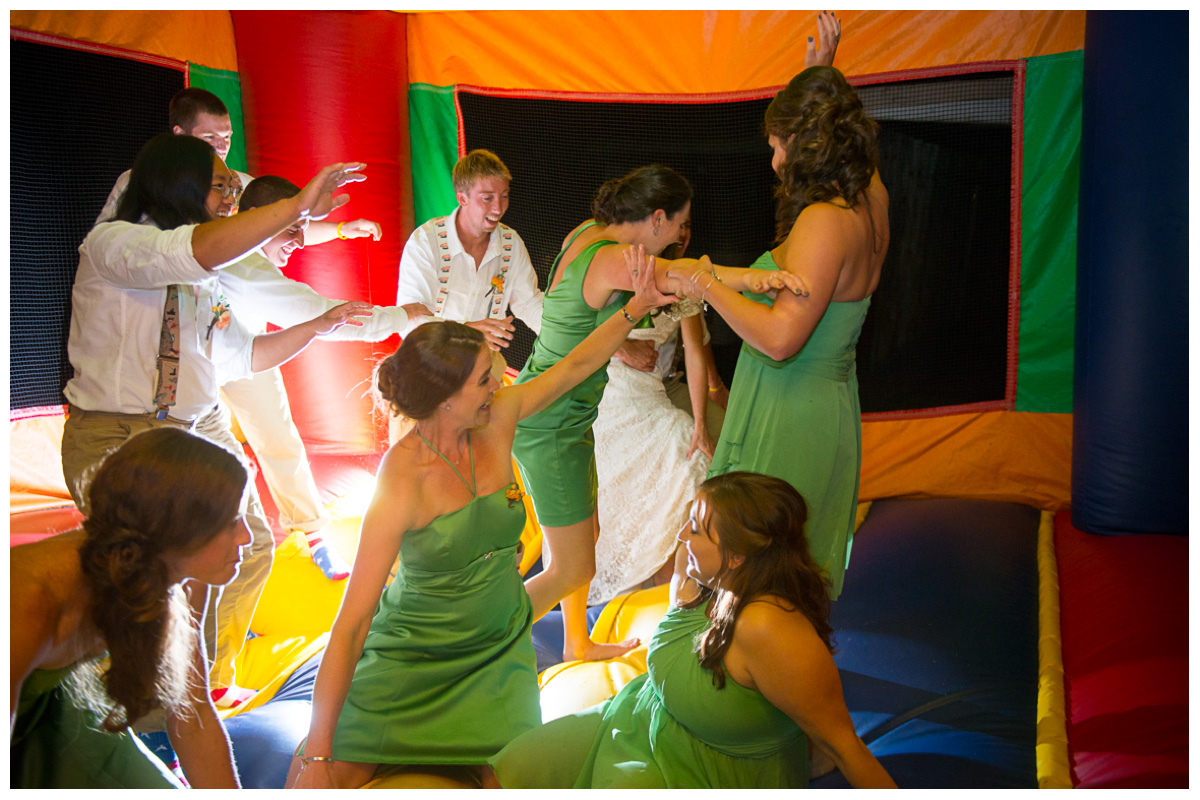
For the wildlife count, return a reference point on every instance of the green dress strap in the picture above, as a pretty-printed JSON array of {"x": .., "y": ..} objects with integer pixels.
[{"x": 470, "y": 486}]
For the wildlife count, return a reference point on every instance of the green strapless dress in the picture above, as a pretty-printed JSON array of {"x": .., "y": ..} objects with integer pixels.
[
  {"x": 670, "y": 728},
  {"x": 555, "y": 449},
  {"x": 55, "y": 745},
  {"x": 799, "y": 420},
  {"x": 448, "y": 673}
]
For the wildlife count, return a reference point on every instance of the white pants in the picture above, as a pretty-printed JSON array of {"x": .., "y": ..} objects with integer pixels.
[{"x": 260, "y": 404}]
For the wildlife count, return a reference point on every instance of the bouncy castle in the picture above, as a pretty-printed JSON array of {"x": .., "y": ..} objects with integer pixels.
[{"x": 1015, "y": 613}]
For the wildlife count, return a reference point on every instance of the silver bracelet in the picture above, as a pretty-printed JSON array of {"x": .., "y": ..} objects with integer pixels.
[{"x": 305, "y": 760}]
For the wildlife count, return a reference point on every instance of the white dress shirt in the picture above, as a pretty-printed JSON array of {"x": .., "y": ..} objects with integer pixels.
[
  {"x": 469, "y": 292},
  {"x": 116, "y": 319}
]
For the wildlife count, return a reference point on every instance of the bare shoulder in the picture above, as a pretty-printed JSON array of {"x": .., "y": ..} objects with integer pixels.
[{"x": 767, "y": 620}]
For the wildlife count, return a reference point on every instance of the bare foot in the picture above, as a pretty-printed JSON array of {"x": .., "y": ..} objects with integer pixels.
[{"x": 595, "y": 651}]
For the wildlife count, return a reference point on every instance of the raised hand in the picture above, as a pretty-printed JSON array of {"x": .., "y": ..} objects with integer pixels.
[
  {"x": 415, "y": 310},
  {"x": 645, "y": 288},
  {"x": 316, "y": 199},
  {"x": 829, "y": 29},
  {"x": 497, "y": 332},
  {"x": 341, "y": 315},
  {"x": 763, "y": 281}
]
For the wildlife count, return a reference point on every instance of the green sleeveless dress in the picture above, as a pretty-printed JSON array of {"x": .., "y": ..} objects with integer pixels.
[
  {"x": 555, "y": 449},
  {"x": 670, "y": 728},
  {"x": 448, "y": 673},
  {"x": 56, "y": 745},
  {"x": 799, "y": 420}
]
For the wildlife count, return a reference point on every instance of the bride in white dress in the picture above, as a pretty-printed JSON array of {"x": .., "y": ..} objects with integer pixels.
[{"x": 650, "y": 454}]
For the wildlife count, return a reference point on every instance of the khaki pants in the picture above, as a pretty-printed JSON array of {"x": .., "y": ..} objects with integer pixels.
[{"x": 88, "y": 436}]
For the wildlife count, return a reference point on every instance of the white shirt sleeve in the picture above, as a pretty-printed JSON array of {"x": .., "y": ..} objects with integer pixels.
[
  {"x": 259, "y": 293},
  {"x": 114, "y": 197},
  {"x": 135, "y": 256},
  {"x": 418, "y": 276},
  {"x": 526, "y": 299}
]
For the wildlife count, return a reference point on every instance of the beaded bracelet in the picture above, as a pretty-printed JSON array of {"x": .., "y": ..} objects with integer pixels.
[
  {"x": 305, "y": 760},
  {"x": 629, "y": 318}
]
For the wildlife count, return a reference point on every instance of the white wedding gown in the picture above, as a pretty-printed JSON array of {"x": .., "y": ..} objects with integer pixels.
[{"x": 645, "y": 478}]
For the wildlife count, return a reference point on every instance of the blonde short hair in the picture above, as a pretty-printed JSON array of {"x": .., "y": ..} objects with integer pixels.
[{"x": 475, "y": 166}]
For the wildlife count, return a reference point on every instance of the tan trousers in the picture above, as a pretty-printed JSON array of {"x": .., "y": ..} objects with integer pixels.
[{"x": 88, "y": 436}]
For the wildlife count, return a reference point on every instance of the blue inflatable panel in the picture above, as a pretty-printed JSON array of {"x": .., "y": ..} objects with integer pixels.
[
  {"x": 265, "y": 738},
  {"x": 1130, "y": 447},
  {"x": 936, "y": 636}
]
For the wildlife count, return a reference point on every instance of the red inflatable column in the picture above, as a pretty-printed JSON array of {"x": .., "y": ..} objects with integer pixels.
[{"x": 320, "y": 87}]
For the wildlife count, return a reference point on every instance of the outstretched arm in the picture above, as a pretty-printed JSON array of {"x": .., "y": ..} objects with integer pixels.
[
  {"x": 593, "y": 352},
  {"x": 273, "y": 349},
  {"x": 227, "y": 239},
  {"x": 697, "y": 380},
  {"x": 325, "y": 231}
]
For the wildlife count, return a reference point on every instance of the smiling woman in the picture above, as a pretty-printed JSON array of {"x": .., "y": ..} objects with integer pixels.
[{"x": 164, "y": 509}]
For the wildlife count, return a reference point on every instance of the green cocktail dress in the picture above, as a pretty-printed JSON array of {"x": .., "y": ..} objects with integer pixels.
[
  {"x": 448, "y": 673},
  {"x": 555, "y": 448},
  {"x": 670, "y": 728},
  {"x": 799, "y": 420}
]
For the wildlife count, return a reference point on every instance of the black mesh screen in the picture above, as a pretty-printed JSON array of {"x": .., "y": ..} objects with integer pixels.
[
  {"x": 561, "y": 151},
  {"x": 77, "y": 121},
  {"x": 936, "y": 333}
]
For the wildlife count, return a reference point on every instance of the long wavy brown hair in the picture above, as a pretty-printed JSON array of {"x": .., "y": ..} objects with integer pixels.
[
  {"x": 163, "y": 492},
  {"x": 831, "y": 144},
  {"x": 760, "y": 518}
]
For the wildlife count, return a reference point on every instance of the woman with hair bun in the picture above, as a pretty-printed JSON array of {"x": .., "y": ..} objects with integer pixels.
[
  {"x": 555, "y": 448},
  {"x": 741, "y": 676},
  {"x": 793, "y": 409},
  {"x": 164, "y": 509},
  {"x": 442, "y": 669}
]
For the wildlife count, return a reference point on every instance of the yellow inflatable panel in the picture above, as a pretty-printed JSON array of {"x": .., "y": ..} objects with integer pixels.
[
  {"x": 425, "y": 777},
  {"x": 576, "y": 685}
]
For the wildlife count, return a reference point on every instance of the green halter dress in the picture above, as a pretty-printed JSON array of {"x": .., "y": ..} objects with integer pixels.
[
  {"x": 448, "y": 673},
  {"x": 799, "y": 420},
  {"x": 555, "y": 448},
  {"x": 669, "y": 728}
]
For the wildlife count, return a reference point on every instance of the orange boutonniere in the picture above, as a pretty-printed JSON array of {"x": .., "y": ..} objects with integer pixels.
[
  {"x": 220, "y": 316},
  {"x": 514, "y": 495},
  {"x": 497, "y": 284}
]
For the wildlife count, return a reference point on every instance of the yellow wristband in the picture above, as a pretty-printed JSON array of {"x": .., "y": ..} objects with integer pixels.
[{"x": 339, "y": 231}]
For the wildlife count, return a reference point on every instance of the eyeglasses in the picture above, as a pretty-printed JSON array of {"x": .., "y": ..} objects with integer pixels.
[{"x": 227, "y": 191}]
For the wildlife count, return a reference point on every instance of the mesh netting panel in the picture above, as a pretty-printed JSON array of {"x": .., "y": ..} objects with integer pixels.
[
  {"x": 77, "y": 122},
  {"x": 936, "y": 334},
  {"x": 561, "y": 151}
]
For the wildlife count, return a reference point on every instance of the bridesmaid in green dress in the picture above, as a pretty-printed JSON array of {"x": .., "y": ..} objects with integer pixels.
[
  {"x": 165, "y": 508},
  {"x": 793, "y": 409},
  {"x": 554, "y": 449},
  {"x": 441, "y": 670},
  {"x": 741, "y": 680}
]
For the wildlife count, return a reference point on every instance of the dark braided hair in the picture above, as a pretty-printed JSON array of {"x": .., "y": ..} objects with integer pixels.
[
  {"x": 163, "y": 492},
  {"x": 639, "y": 194},
  {"x": 760, "y": 518},
  {"x": 831, "y": 144},
  {"x": 431, "y": 364}
]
